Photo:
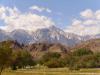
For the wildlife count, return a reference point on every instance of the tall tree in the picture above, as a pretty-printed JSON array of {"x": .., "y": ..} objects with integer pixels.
[{"x": 5, "y": 57}]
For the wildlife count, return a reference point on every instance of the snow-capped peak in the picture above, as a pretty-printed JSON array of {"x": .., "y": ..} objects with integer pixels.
[{"x": 49, "y": 34}]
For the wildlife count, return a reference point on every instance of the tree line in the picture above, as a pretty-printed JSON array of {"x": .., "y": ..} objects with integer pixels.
[{"x": 75, "y": 60}]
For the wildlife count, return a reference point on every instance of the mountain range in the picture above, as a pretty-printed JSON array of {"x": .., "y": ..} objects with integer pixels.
[{"x": 45, "y": 35}]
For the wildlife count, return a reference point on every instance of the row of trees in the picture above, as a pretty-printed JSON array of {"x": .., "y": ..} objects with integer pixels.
[
  {"x": 14, "y": 59},
  {"x": 80, "y": 58}
]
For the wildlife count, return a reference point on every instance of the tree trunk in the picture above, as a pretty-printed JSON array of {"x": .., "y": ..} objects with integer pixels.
[{"x": 1, "y": 69}]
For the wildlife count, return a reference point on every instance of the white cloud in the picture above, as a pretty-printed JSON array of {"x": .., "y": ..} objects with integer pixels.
[
  {"x": 87, "y": 13},
  {"x": 14, "y": 19},
  {"x": 40, "y": 9},
  {"x": 89, "y": 24},
  {"x": 48, "y": 10},
  {"x": 2, "y": 12},
  {"x": 6, "y": 11},
  {"x": 97, "y": 14},
  {"x": 76, "y": 22}
]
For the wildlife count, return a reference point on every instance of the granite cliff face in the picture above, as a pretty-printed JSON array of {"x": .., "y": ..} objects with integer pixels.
[{"x": 45, "y": 35}]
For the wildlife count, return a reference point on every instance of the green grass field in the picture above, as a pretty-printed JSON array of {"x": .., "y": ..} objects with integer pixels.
[{"x": 55, "y": 71}]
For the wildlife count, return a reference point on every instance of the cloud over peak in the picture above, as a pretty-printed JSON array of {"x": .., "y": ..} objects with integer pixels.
[
  {"x": 88, "y": 13},
  {"x": 15, "y": 19},
  {"x": 88, "y": 24}
]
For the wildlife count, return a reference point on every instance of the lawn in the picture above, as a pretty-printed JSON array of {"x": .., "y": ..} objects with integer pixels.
[{"x": 54, "y": 71}]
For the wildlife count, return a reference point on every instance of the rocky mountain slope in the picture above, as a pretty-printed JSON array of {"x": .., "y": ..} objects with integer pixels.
[
  {"x": 47, "y": 35},
  {"x": 3, "y": 35},
  {"x": 36, "y": 49},
  {"x": 93, "y": 44}
]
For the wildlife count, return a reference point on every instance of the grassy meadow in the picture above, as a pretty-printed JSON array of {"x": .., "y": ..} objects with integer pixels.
[{"x": 53, "y": 71}]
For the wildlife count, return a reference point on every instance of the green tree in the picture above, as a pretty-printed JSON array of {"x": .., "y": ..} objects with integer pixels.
[
  {"x": 22, "y": 59},
  {"x": 50, "y": 59},
  {"x": 5, "y": 57},
  {"x": 82, "y": 52}
]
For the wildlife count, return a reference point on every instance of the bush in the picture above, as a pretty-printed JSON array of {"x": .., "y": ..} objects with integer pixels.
[
  {"x": 22, "y": 59},
  {"x": 51, "y": 60},
  {"x": 5, "y": 57},
  {"x": 82, "y": 52}
]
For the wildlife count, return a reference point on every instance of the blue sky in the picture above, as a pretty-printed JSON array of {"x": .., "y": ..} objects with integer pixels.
[{"x": 63, "y": 11}]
